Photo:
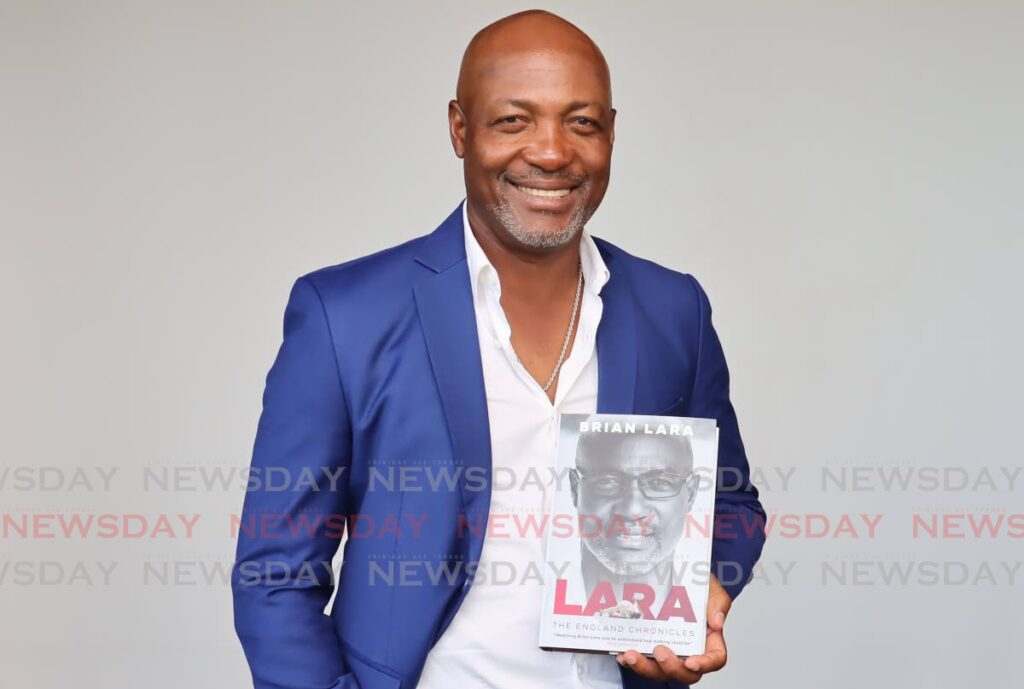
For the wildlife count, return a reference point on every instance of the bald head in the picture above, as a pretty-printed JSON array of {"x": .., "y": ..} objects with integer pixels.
[{"x": 531, "y": 31}]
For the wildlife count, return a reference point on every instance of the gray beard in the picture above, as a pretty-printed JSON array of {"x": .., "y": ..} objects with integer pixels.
[
  {"x": 631, "y": 568},
  {"x": 540, "y": 240}
]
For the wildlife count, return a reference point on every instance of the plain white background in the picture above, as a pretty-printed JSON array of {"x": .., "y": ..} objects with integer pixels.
[{"x": 843, "y": 177}]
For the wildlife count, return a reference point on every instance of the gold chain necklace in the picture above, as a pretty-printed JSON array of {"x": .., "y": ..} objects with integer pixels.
[{"x": 568, "y": 333}]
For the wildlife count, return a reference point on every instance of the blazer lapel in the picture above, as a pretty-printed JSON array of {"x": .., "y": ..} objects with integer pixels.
[
  {"x": 616, "y": 342},
  {"x": 444, "y": 300}
]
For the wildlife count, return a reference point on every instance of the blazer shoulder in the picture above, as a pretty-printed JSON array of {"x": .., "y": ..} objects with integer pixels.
[
  {"x": 651, "y": 280},
  {"x": 374, "y": 274}
]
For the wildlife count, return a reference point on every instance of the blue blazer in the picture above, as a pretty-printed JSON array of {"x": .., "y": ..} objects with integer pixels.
[{"x": 380, "y": 368}]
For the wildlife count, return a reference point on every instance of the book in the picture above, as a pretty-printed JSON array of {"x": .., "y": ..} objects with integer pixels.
[{"x": 629, "y": 538}]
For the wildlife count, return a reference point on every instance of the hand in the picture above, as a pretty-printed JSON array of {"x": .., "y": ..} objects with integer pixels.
[{"x": 666, "y": 665}]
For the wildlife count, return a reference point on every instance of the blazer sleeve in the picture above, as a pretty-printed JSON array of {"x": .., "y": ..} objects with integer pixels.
[
  {"x": 739, "y": 534},
  {"x": 293, "y": 514}
]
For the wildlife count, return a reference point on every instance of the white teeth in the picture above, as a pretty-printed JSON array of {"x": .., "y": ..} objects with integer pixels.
[
  {"x": 632, "y": 539},
  {"x": 545, "y": 192}
]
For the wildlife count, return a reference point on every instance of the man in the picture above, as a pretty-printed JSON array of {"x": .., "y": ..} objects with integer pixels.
[
  {"x": 638, "y": 490},
  {"x": 459, "y": 350}
]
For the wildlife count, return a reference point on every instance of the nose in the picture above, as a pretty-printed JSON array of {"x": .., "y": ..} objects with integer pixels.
[
  {"x": 632, "y": 503},
  {"x": 549, "y": 148}
]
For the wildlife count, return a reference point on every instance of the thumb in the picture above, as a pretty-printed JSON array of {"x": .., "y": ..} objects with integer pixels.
[{"x": 719, "y": 603}]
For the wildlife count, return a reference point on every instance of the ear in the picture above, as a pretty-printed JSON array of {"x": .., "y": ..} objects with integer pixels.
[
  {"x": 457, "y": 127},
  {"x": 691, "y": 487},
  {"x": 611, "y": 128},
  {"x": 574, "y": 486}
]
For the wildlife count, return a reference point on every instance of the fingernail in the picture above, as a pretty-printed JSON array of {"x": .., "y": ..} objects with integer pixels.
[
  {"x": 618, "y": 659},
  {"x": 630, "y": 660},
  {"x": 661, "y": 655},
  {"x": 692, "y": 665},
  {"x": 720, "y": 618}
]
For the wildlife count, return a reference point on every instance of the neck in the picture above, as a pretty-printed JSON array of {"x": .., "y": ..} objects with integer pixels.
[{"x": 527, "y": 273}]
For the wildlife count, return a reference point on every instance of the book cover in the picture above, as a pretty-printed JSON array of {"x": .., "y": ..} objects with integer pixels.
[{"x": 629, "y": 541}]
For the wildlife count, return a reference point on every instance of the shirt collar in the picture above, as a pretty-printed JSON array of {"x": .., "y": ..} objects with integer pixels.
[{"x": 481, "y": 271}]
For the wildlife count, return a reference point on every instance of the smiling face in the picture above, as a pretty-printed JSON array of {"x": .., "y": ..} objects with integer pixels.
[
  {"x": 640, "y": 489},
  {"x": 534, "y": 126}
]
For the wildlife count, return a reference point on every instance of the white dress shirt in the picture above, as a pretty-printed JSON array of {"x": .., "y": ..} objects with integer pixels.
[{"x": 493, "y": 639}]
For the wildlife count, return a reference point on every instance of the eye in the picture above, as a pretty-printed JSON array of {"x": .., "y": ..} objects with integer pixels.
[
  {"x": 606, "y": 482},
  {"x": 510, "y": 122},
  {"x": 584, "y": 122}
]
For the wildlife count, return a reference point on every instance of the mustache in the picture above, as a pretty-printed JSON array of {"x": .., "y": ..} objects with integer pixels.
[
  {"x": 538, "y": 176},
  {"x": 636, "y": 524}
]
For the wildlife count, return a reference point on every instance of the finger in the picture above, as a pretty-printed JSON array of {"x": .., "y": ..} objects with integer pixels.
[
  {"x": 673, "y": 666},
  {"x": 714, "y": 657},
  {"x": 641, "y": 664}
]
